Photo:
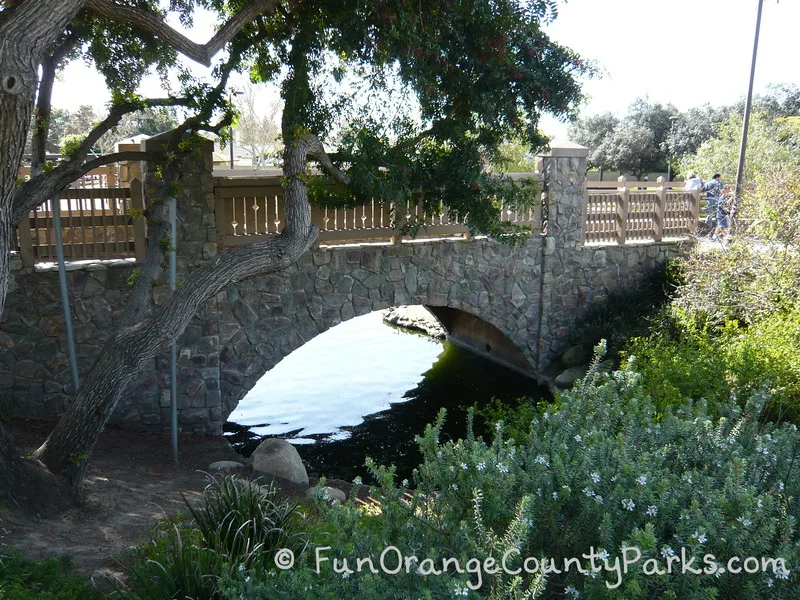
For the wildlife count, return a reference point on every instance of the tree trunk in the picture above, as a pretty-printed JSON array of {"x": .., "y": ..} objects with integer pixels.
[{"x": 67, "y": 449}]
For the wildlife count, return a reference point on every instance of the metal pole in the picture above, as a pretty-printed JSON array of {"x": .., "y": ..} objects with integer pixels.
[
  {"x": 748, "y": 104},
  {"x": 55, "y": 201},
  {"x": 231, "y": 147},
  {"x": 173, "y": 354}
]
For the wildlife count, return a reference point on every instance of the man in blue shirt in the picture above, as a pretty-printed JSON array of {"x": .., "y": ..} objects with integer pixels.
[{"x": 713, "y": 191}]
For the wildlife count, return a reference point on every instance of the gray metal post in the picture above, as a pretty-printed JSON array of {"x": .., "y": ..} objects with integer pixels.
[
  {"x": 55, "y": 202},
  {"x": 748, "y": 104},
  {"x": 173, "y": 353}
]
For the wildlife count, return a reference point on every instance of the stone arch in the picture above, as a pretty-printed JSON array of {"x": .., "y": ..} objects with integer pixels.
[{"x": 465, "y": 285}]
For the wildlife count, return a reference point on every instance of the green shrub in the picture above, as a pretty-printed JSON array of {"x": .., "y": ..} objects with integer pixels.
[
  {"x": 733, "y": 361},
  {"x": 245, "y": 523},
  {"x": 516, "y": 416},
  {"x": 176, "y": 564},
  {"x": 237, "y": 527},
  {"x": 606, "y": 471},
  {"x": 415, "y": 524},
  {"x": 603, "y": 471},
  {"x": 50, "y": 579}
]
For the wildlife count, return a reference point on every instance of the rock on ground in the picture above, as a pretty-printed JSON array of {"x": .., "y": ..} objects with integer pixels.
[{"x": 279, "y": 458}]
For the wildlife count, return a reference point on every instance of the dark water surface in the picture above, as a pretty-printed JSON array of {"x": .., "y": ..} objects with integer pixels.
[{"x": 365, "y": 388}]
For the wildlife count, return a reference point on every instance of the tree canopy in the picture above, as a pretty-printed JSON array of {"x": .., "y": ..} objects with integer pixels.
[
  {"x": 474, "y": 72},
  {"x": 651, "y": 135}
]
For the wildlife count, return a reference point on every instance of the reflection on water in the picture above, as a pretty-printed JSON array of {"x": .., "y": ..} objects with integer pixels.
[{"x": 366, "y": 389}]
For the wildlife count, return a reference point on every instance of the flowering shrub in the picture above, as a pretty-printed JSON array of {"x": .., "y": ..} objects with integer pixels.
[
  {"x": 605, "y": 471},
  {"x": 601, "y": 478}
]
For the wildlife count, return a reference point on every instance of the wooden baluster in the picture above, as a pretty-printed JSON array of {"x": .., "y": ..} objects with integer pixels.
[
  {"x": 25, "y": 242},
  {"x": 623, "y": 200}
]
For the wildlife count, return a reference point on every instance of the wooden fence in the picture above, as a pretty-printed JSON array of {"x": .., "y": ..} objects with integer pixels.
[
  {"x": 630, "y": 211},
  {"x": 254, "y": 207},
  {"x": 101, "y": 216},
  {"x": 97, "y": 220}
]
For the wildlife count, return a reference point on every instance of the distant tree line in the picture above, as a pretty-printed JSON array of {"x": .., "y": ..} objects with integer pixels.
[
  {"x": 652, "y": 135},
  {"x": 68, "y": 128}
]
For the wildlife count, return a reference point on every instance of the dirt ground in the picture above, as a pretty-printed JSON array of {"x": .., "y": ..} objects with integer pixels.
[{"x": 131, "y": 483}]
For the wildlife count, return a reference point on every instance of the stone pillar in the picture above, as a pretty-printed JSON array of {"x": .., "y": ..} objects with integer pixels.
[
  {"x": 199, "y": 399},
  {"x": 564, "y": 179}
]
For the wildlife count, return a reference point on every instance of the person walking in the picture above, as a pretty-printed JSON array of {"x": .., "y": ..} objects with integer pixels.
[
  {"x": 713, "y": 190},
  {"x": 693, "y": 182}
]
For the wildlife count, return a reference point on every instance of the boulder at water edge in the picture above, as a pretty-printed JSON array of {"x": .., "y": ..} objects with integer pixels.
[{"x": 280, "y": 459}]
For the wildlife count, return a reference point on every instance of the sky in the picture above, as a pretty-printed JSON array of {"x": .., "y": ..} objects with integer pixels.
[{"x": 684, "y": 52}]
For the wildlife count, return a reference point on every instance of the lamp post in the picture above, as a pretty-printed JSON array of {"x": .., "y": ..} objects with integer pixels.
[
  {"x": 748, "y": 104},
  {"x": 230, "y": 99},
  {"x": 672, "y": 120}
]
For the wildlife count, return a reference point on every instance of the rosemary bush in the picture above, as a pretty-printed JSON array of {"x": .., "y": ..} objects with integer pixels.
[{"x": 602, "y": 471}]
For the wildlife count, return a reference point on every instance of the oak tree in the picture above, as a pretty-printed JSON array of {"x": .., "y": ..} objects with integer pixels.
[{"x": 477, "y": 72}]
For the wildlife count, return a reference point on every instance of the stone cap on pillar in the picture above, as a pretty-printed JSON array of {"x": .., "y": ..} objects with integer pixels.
[
  {"x": 565, "y": 149},
  {"x": 159, "y": 141}
]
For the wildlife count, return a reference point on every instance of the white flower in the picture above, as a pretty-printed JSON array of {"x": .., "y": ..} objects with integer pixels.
[
  {"x": 628, "y": 504},
  {"x": 598, "y": 499},
  {"x": 571, "y": 592},
  {"x": 614, "y": 479},
  {"x": 781, "y": 487},
  {"x": 589, "y": 493},
  {"x": 460, "y": 590},
  {"x": 595, "y": 477},
  {"x": 782, "y": 573},
  {"x": 744, "y": 522},
  {"x": 464, "y": 466},
  {"x": 357, "y": 480},
  {"x": 603, "y": 555},
  {"x": 592, "y": 574},
  {"x": 502, "y": 468},
  {"x": 688, "y": 478},
  {"x": 770, "y": 582},
  {"x": 345, "y": 574},
  {"x": 555, "y": 495},
  {"x": 452, "y": 468},
  {"x": 701, "y": 538},
  {"x": 542, "y": 461},
  {"x": 642, "y": 480},
  {"x": 455, "y": 487},
  {"x": 481, "y": 466},
  {"x": 404, "y": 483},
  {"x": 651, "y": 511},
  {"x": 667, "y": 551},
  {"x": 578, "y": 437}
]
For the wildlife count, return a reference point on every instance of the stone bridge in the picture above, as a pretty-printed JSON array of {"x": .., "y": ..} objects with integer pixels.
[{"x": 515, "y": 305}]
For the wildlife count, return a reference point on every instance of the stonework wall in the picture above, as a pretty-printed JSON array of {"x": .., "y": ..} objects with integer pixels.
[
  {"x": 533, "y": 294},
  {"x": 265, "y": 319}
]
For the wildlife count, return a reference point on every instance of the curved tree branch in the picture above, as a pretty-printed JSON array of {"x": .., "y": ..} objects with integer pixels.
[
  {"x": 150, "y": 22},
  {"x": 317, "y": 151},
  {"x": 41, "y": 130},
  {"x": 39, "y": 189}
]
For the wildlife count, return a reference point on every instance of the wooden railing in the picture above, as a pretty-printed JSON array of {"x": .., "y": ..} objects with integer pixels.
[
  {"x": 248, "y": 207},
  {"x": 102, "y": 222},
  {"x": 632, "y": 211}
]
